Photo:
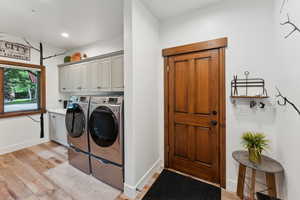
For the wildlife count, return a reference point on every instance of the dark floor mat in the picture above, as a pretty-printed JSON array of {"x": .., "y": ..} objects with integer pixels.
[
  {"x": 173, "y": 186},
  {"x": 261, "y": 196}
]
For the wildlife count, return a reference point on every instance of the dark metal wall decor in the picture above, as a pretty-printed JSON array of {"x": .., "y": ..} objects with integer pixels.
[
  {"x": 284, "y": 101},
  {"x": 288, "y": 22},
  {"x": 247, "y": 83}
]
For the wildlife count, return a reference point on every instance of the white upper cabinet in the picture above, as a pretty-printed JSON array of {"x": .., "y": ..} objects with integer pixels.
[
  {"x": 99, "y": 79},
  {"x": 103, "y": 74},
  {"x": 94, "y": 84},
  {"x": 84, "y": 77},
  {"x": 64, "y": 79},
  {"x": 104, "y": 70},
  {"x": 117, "y": 73},
  {"x": 75, "y": 77}
]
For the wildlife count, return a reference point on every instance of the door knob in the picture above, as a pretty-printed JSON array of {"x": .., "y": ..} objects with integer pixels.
[
  {"x": 214, "y": 112},
  {"x": 214, "y": 122}
]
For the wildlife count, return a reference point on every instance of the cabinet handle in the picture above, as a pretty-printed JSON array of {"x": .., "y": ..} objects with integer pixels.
[
  {"x": 64, "y": 88},
  {"x": 99, "y": 87},
  {"x": 79, "y": 88}
]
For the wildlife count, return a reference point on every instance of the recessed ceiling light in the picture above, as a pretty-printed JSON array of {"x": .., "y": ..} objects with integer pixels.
[{"x": 65, "y": 35}]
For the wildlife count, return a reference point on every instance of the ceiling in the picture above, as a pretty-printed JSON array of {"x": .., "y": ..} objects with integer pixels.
[
  {"x": 45, "y": 20},
  {"x": 167, "y": 8}
]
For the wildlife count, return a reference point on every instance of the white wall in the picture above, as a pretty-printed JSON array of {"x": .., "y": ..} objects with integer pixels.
[
  {"x": 249, "y": 26},
  {"x": 288, "y": 135},
  {"x": 101, "y": 47},
  {"x": 128, "y": 101},
  {"x": 20, "y": 132},
  {"x": 141, "y": 91}
]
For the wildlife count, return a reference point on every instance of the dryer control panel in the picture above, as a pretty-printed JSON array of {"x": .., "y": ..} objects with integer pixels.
[
  {"x": 107, "y": 100},
  {"x": 112, "y": 100}
]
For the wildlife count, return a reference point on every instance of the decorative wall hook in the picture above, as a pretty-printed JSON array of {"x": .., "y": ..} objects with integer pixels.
[
  {"x": 284, "y": 101},
  {"x": 295, "y": 28},
  {"x": 289, "y": 22}
]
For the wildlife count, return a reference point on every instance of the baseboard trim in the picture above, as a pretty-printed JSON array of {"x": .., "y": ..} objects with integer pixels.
[
  {"x": 131, "y": 191},
  {"x": 149, "y": 174},
  {"x": 16, "y": 147},
  {"x": 231, "y": 185}
]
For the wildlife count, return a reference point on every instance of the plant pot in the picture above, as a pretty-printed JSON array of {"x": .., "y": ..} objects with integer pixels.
[{"x": 254, "y": 156}]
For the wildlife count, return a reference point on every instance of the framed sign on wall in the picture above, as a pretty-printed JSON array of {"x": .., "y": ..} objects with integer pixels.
[{"x": 14, "y": 50}]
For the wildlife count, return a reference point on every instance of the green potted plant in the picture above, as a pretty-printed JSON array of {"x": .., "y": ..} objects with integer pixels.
[{"x": 255, "y": 143}]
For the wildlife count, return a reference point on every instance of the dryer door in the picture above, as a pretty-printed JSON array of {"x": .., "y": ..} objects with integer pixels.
[
  {"x": 75, "y": 120},
  {"x": 103, "y": 126}
]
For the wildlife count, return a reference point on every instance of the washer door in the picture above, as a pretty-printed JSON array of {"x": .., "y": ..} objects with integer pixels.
[
  {"x": 103, "y": 126},
  {"x": 75, "y": 121}
]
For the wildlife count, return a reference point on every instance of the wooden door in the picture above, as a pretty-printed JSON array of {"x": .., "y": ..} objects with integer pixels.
[{"x": 194, "y": 107}]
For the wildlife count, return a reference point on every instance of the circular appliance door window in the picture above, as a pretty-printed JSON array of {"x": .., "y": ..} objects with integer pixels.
[
  {"x": 103, "y": 126},
  {"x": 75, "y": 121}
]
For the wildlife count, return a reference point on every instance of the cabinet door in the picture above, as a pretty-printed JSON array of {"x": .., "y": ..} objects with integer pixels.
[
  {"x": 52, "y": 126},
  {"x": 104, "y": 74},
  {"x": 64, "y": 79},
  {"x": 84, "y": 78},
  {"x": 93, "y": 79},
  {"x": 117, "y": 73},
  {"x": 61, "y": 132},
  {"x": 99, "y": 75},
  {"x": 57, "y": 128},
  {"x": 75, "y": 77}
]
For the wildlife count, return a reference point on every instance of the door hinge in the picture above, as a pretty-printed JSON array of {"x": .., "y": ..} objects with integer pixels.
[
  {"x": 168, "y": 149},
  {"x": 168, "y": 68}
]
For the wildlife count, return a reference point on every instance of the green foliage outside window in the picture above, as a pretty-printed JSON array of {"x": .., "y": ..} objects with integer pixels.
[{"x": 20, "y": 86}]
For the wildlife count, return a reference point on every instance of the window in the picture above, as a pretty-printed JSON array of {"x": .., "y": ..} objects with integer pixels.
[{"x": 22, "y": 89}]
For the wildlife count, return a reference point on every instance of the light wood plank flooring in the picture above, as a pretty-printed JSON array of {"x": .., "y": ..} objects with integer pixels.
[{"x": 23, "y": 175}]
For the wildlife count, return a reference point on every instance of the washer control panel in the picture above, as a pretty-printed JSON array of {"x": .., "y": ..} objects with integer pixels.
[{"x": 107, "y": 100}]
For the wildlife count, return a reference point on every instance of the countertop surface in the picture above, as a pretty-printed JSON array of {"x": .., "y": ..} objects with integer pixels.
[
  {"x": 267, "y": 164},
  {"x": 57, "y": 110}
]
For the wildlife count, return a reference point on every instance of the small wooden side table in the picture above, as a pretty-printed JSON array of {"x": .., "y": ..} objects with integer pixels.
[{"x": 268, "y": 165}]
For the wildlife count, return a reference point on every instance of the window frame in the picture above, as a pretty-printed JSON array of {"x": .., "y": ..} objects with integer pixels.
[{"x": 42, "y": 92}]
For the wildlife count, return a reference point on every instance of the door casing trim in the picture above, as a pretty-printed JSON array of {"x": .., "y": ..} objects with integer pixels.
[{"x": 219, "y": 44}]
